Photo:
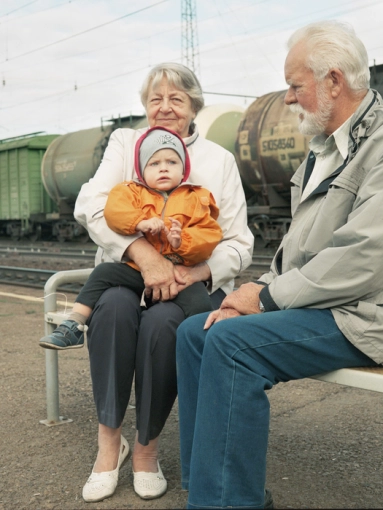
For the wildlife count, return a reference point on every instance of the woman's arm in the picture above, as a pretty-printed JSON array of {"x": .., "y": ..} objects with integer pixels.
[
  {"x": 117, "y": 165},
  {"x": 234, "y": 252}
]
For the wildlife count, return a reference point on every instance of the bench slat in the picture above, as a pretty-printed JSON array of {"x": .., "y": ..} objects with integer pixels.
[{"x": 364, "y": 378}]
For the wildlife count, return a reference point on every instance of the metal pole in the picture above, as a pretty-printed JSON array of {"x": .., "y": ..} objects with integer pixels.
[{"x": 51, "y": 356}]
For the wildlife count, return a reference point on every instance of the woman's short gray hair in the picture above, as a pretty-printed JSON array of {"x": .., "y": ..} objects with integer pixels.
[
  {"x": 178, "y": 75},
  {"x": 332, "y": 44}
]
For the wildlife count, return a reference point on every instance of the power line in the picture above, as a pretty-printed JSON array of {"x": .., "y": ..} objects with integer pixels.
[
  {"x": 114, "y": 77},
  {"x": 18, "y": 9},
  {"x": 17, "y": 18},
  {"x": 233, "y": 95},
  {"x": 85, "y": 31},
  {"x": 69, "y": 91}
]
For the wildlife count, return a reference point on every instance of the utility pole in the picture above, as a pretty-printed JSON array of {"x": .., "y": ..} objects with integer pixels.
[{"x": 189, "y": 36}]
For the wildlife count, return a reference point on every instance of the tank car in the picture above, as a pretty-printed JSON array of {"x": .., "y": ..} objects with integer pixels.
[
  {"x": 219, "y": 123},
  {"x": 69, "y": 162},
  {"x": 24, "y": 203},
  {"x": 269, "y": 148},
  {"x": 72, "y": 159}
]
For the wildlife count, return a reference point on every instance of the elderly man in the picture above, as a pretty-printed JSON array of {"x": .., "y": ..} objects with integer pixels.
[{"x": 320, "y": 308}]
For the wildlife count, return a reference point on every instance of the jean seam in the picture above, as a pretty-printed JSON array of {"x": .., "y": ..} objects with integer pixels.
[
  {"x": 234, "y": 363},
  {"x": 276, "y": 343}
]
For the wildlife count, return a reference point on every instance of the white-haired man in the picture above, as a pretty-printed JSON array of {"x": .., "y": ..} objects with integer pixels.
[{"x": 323, "y": 296}]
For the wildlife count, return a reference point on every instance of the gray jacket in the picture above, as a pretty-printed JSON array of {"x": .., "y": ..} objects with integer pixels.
[{"x": 332, "y": 256}]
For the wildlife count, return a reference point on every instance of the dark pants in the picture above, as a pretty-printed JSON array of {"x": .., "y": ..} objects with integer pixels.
[
  {"x": 126, "y": 339},
  {"x": 192, "y": 300}
]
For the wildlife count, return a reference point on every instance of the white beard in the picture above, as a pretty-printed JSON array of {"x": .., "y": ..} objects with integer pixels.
[{"x": 314, "y": 123}]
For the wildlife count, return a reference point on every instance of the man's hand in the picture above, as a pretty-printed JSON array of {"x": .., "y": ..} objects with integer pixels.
[
  {"x": 220, "y": 315},
  {"x": 245, "y": 300}
]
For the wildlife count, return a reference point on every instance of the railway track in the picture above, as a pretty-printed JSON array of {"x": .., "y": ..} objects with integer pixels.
[
  {"x": 36, "y": 278},
  {"x": 260, "y": 263},
  {"x": 29, "y": 277},
  {"x": 52, "y": 251}
]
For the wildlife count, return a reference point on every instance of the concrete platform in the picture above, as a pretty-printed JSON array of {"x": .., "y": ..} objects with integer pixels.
[{"x": 325, "y": 447}]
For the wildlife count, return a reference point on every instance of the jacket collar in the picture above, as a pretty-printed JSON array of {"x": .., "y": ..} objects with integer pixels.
[
  {"x": 189, "y": 140},
  {"x": 361, "y": 122}
]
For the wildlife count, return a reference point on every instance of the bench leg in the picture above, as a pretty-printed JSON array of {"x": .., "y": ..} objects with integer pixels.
[{"x": 52, "y": 386}]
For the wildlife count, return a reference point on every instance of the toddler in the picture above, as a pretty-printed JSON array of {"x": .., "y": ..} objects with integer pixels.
[{"x": 176, "y": 216}]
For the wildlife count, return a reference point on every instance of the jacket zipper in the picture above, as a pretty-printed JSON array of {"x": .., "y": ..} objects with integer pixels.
[{"x": 165, "y": 197}]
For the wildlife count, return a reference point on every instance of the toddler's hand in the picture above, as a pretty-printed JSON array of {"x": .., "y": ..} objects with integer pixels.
[
  {"x": 174, "y": 233},
  {"x": 154, "y": 226}
]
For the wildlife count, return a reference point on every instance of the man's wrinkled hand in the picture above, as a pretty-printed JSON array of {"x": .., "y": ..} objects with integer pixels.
[
  {"x": 245, "y": 299},
  {"x": 220, "y": 315}
]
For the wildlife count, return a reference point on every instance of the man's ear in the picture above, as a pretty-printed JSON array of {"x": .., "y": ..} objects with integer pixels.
[{"x": 336, "y": 81}]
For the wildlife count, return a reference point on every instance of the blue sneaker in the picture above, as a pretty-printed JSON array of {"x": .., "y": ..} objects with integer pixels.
[{"x": 69, "y": 335}]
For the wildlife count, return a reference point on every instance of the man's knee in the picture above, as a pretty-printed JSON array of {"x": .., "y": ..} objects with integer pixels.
[
  {"x": 192, "y": 325},
  {"x": 191, "y": 335}
]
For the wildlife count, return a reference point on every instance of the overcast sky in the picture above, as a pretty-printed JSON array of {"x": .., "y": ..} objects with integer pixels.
[{"x": 65, "y": 64}]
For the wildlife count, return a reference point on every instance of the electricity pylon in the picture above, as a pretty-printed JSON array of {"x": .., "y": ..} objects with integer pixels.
[{"x": 189, "y": 36}]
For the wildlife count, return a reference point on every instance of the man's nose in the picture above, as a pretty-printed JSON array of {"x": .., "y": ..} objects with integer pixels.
[{"x": 290, "y": 97}]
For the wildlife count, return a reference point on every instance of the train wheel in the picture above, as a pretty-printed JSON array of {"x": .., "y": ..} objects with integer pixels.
[
  {"x": 36, "y": 234},
  {"x": 83, "y": 238}
]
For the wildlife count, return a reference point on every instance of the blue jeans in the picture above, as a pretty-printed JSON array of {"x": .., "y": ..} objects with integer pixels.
[{"x": 223, "y": 373}]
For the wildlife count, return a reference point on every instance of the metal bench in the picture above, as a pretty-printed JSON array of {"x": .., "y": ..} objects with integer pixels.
[
  {"x": 52, "y": 319},
  {"x": 364, "y": 378}
]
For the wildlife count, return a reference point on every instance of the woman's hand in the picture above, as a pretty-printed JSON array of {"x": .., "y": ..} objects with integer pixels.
[
  {"x": 187, "y": 275},
  {"x": 157, "y": 272}
]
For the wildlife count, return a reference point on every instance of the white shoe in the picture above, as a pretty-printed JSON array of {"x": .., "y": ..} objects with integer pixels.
[
  {"x": 102, "y": 485},
  {"x": 150, "y": 485}
]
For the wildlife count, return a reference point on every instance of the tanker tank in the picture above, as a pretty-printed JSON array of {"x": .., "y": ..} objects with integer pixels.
[
  {"x": 219, "y": 123},
  {"x": 269, "y": 148},
  {"x": 69, "y": 162},
  {"x": 72, "y": 159}
]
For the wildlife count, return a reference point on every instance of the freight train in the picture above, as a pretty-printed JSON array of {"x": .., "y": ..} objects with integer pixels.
[
  {"x": 269, "y": 148},
  {"x": 41, "y": 175}
]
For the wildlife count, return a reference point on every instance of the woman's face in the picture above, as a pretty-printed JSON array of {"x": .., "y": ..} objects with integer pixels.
[{"x": 169, "y": 107}]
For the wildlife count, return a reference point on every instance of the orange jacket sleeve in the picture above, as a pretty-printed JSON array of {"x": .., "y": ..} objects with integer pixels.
[
  {"x": 202, "y": 233},
  {"x": 123, "y": 209}
]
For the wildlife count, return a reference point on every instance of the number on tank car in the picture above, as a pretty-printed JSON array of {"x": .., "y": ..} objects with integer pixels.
[{"x": 278, "y": 143}]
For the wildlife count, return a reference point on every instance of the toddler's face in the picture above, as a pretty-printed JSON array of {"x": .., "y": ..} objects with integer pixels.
[{"x": 164, "y": 170}]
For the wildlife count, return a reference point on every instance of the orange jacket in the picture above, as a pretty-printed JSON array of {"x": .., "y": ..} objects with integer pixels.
[{"x": 194, "y": 207}]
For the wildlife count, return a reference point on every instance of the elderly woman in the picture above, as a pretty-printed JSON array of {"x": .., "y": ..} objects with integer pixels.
[{"x": 125, "y": 339}]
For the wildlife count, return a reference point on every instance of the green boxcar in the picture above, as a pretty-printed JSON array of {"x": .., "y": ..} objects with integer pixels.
[{"x": 24, "y": 203}]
